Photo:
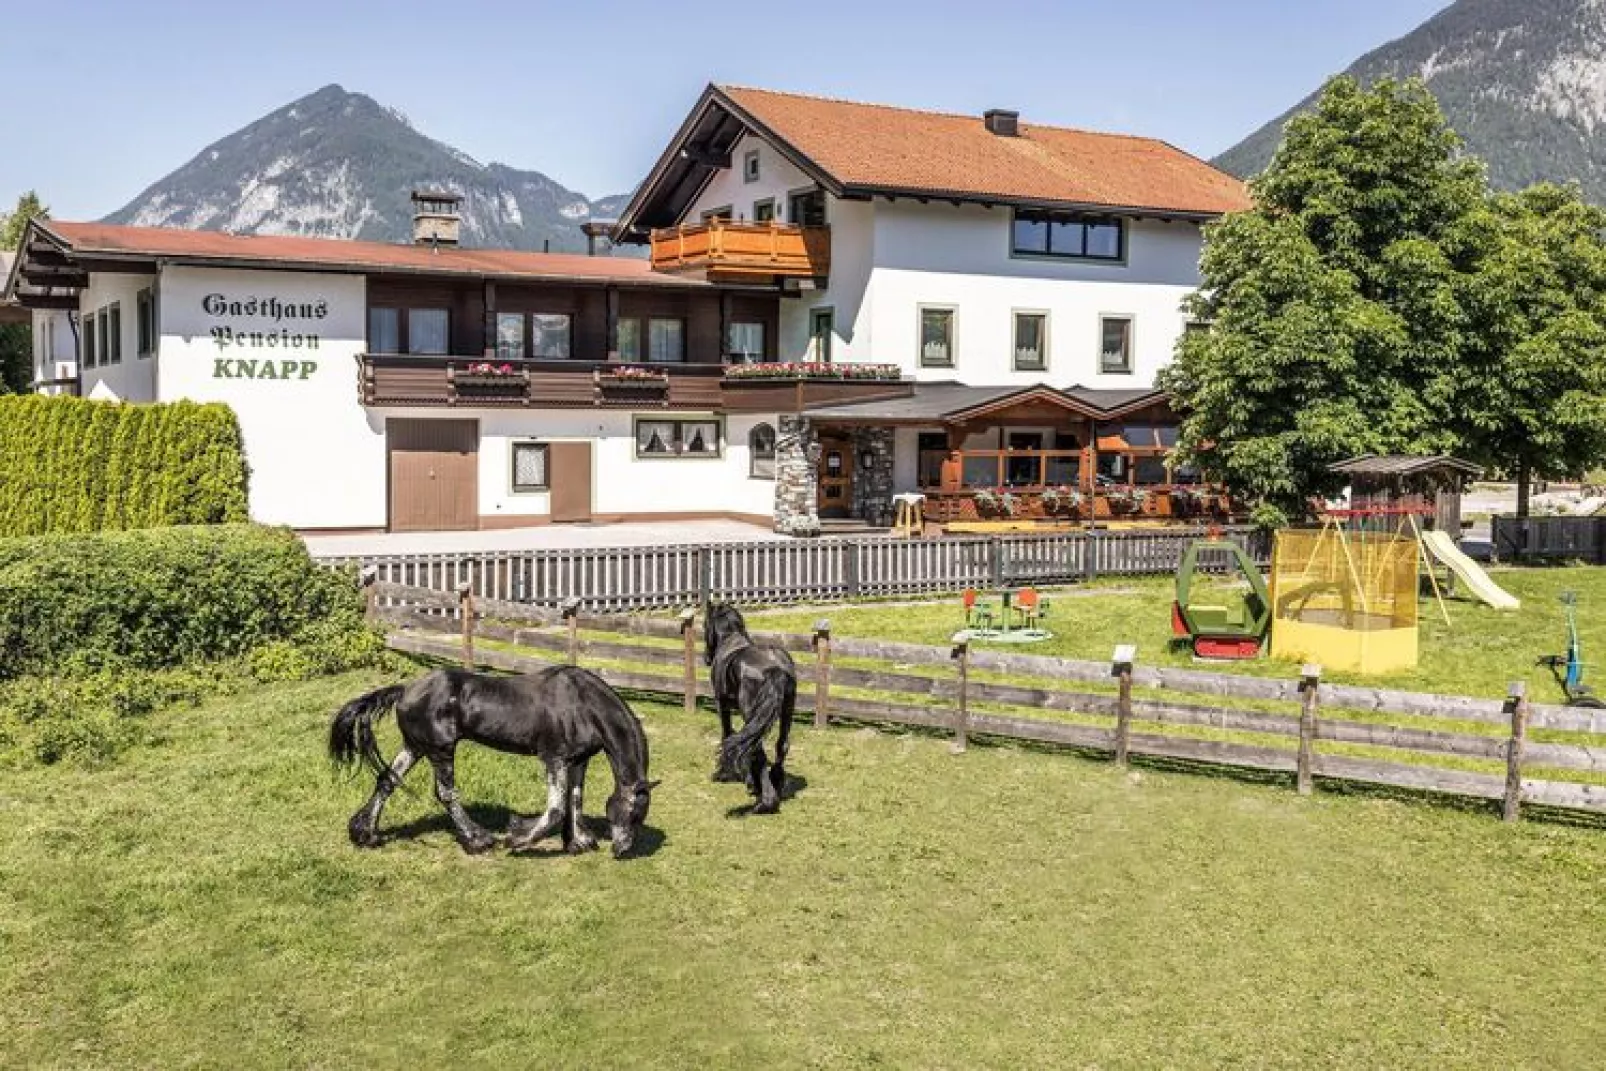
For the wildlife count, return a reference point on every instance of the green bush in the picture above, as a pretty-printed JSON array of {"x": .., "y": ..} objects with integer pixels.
[
  {"x": 91, "y": 718},
  {"x": 162, "y": 598},
  {"x": 71, "y": 465}
]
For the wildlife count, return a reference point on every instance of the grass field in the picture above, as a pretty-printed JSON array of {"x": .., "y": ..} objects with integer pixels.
[
  {"x": 1478, "y": 653},
  {"x": 198, "y": 905}
]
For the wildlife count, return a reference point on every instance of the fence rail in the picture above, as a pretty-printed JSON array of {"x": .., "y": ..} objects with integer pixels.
[
  {"x": 616, "y": 579},
  {"x": 1556, "y": 538},
  {"x": 1298, "y": 740}
]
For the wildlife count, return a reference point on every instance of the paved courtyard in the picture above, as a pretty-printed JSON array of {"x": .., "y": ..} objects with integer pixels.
[{"x": 544, "y": 537}]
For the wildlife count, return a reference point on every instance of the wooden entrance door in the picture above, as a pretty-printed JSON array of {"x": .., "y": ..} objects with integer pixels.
[
  {"x": 434, "y": 474},
  {"x": 571, "y": 481},
  {"x": 836, "y": 476}
]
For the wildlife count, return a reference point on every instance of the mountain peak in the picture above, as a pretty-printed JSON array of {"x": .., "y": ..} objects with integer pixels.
[
  {"x": 1522, "y": 81},
  {"x": 339, "y": 164}
]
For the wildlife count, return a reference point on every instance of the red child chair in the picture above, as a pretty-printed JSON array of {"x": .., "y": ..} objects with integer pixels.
[{"x": 978, "y": 614}]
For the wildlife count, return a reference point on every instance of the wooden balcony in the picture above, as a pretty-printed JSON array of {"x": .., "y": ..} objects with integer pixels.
[
  {"x": 427, "y": 382},
  {"x": 728, "y": 251}
]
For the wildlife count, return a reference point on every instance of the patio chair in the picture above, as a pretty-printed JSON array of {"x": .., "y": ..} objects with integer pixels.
[
  {"x": 978, "y": 614},
  {"x": 1031, "y": 607}
]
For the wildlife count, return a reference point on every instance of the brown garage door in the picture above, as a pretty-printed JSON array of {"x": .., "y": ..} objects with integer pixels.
[
  {"x": 571, "y": 481},
  {"x": 434, "y": 474}
]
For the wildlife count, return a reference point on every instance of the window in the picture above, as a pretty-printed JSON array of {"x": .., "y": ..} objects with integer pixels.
[
  {"x": 549, "y": 336},
  {"x": 822, "y": 326},
  {"x": 678, "y": 438},
  {"x": 102, "y": 341},
  {"x": 746, "y": 343},
  {"x": 384, "y": 330},
  {"x": 427, "y": 331},
  {"x": 807, "y": 209},
  {"x": 1115, "y": 345},
  {"x": 931, "y": 449},
  {"x": 1059, "y": 234},
  {"x": 750, "y": 166},
  {"x": 723, "y": 212},
  {"x": 509, "y": 336},
  {"x": 764, "y": 211},
  {"x": 1031, "y": 341},
  {"x": 86, "y": 327},
  {"x": 1149, "y": 470},
  {"x": 529, "y": 467},
  {"x": 112, "y": 339},
  {"x": 666, "y": 341},
  {"x": 630, "y": 339},
  {"x": 936, "y": 337},
  {"x": 145, "y": 306},
  {"x": 761, "y": 452}
]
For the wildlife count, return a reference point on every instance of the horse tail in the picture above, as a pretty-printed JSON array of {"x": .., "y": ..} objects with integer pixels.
[
  {"x": 775, "y": 695},
  {"x": 351, "y": 734}
]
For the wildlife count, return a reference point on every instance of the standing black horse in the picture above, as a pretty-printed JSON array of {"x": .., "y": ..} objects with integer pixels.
[
  {"x": 761, "y": 682},
  {"x": 563, "y": 715}
]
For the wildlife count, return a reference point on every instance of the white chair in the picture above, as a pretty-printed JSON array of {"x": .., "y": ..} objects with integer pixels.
[{"x": 910, "y": 519}]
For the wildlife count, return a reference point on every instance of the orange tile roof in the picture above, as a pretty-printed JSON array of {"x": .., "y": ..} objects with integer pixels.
[
  {"x": 336, "y": 254},
  {"x": 882, "y": 147}
]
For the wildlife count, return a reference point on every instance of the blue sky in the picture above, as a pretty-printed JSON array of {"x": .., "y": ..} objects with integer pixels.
[{"x": 106, "y": 97}]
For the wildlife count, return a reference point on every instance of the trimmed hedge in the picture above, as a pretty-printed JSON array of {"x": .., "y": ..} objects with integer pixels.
[
  {"x": 73, "y": 465},
  {"x": 162, "y": 598}
]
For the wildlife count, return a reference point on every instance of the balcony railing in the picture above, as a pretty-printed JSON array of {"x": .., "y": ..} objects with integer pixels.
[
  {"x": 407, "y": 380},
  {"x": 724, "y": 250}
]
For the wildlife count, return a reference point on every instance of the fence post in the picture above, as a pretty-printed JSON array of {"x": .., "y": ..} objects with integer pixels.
[
  {"x": 1090, "y": 556},
  {"x": 995, "y": 562},
  {"x": 1517, "y": 700},
  {"x": 961, "y": 654},
  {"x": 571, "y": 614},
  {"x": 1310, "y": 684},
  {"x": 822, "y": 673},
  {"x": 370, "y": 595},
  {"x": 688, "y": 634},
  {"x": 850, "y": 567},
  {"x": 465, "y": 596},
  {"x": 1121, "y": 668}
]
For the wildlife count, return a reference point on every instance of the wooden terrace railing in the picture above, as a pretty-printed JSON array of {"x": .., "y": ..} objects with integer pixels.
[{"x": 736, "y": 251}]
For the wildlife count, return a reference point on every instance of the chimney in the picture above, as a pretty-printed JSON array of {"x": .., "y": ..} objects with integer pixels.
[
  {"x": 435, "y": 218},
  {"x": 1005, "y": 124},
  {"x": 597, "y": 232}
]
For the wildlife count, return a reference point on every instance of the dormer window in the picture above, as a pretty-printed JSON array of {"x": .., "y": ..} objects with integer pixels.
[{"x": 750, "y": 166}]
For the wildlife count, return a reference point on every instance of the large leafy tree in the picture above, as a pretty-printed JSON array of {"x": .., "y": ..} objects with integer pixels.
[
  {"x": 16, "y": 340},
  {"x": 1333, "y": 301},
  {"x": 1529, "y": 394}
]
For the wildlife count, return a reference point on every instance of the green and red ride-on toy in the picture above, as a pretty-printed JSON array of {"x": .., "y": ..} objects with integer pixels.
[{"x": 1233, "y": 627}]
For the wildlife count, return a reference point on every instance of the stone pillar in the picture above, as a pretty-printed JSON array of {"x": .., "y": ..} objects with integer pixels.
[
  {"x": 797, "y": 486},
  {"x": 872, "y": 487}
]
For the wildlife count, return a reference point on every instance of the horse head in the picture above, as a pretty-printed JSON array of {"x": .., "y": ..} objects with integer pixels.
[
  {"x": 627, "y": 811},
  {"x": 720, "y": 621}
]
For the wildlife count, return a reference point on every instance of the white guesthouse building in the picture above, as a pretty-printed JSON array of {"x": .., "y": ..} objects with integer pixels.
[{"x": 981, "y": 303}]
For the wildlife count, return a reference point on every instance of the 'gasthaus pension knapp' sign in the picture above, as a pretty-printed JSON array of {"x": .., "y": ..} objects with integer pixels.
[{"x": 263, "y": 336}]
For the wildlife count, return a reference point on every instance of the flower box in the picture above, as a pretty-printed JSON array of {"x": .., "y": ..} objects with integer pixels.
[
  {"x": 632, "y": 385},
  {"x": 483, "y": 380},
  {"x": 847, "y": 370}
]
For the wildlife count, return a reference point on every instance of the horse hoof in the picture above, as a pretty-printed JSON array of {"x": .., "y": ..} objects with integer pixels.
[
  {"x": 581, "y": 845},
  {"x": 478, "y": 845},
  {"x": 766, "y": 808},
  {"x": 363, "y": 836}
]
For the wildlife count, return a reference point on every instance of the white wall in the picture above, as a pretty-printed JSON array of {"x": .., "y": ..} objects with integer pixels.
[
  {"x": 55, "y": 352},
  {"x": 317, "y": 457},
  {"x": 132, "y": 378},
  {"x": 849, "y": 293},
  {"x": 621, "y": 482},
  {"x": 778, "y": 178}
]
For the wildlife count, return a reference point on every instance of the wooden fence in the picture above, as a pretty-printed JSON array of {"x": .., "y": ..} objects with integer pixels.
[
  {"x": 643, "y": 578},
  {"x": 1149, "y": 712},
  {"x": 1549, "y": 538}
]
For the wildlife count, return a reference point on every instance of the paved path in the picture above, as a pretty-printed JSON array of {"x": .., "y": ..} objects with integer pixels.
[{"x": 544, "y": 537}]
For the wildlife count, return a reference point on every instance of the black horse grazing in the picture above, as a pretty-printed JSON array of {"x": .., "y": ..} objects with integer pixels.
[
  {"x": 563, "y": 715},
  {"x": 761, "y": 682}
]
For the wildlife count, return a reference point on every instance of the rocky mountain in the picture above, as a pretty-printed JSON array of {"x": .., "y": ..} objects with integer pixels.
[
  {"x": 1523, "y": 81},
  {"x": 340, "y": 165}
]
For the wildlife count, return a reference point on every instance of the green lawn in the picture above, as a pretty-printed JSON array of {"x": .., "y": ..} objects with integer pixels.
[
  {"x": 1478, "y": 653},
  {"x": 198, "y": 905}
]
